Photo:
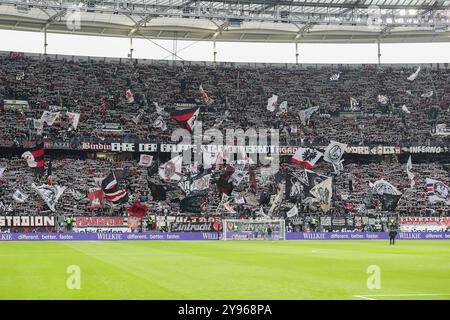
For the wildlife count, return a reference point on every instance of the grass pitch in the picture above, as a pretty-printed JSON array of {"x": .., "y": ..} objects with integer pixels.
[{"x": 225, "y": 269}]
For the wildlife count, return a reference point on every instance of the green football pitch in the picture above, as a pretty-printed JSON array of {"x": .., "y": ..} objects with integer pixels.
[{"x": 225, "y": 270}]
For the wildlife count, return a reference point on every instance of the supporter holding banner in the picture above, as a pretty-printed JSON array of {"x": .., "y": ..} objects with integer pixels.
[{"x": 145, "y": 160}]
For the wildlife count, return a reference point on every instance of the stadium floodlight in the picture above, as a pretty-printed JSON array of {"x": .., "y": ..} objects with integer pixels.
[{"x": 246, "y": 229}]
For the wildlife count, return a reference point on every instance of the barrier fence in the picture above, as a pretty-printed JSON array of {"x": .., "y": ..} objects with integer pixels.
[{"x": 216, "y": 236}]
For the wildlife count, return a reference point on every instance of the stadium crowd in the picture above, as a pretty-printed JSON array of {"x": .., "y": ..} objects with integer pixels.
[{"x": 239, "y": 101}]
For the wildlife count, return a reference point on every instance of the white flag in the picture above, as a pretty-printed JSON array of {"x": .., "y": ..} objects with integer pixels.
[
  {"x": 409, "y": 172},
  {"x": 74, "y": 119},
  {"x": 414, "y": 75},
  {"x": 50, "y": 194},
  {"x": 129, "y": 95},
  {"x": 381, "y": 187},
  {"x": 405, "y": 109},
  {"x": 145, "y": 160},
  {"x": 306, "y": 114},
  {"x": 49, "y": 117},
  {"x": 171, "y": 170},
  {"x": 272, "y": 103},
  {"x": 160, "y": 110},
  {"x": 335, "y": 77},
  {"x": 160, "y": 123},
  {"x": 323, "y": 192},
  {"x": 283, "y": 109},
  {"x": 38, "y": 124},
  {"x": 19, "y": 196},
  {"x": 355, "y": 104},
  {"x": 292, "y": 212},
  {"x": 2, "y": 170},
  {"x": 437, "y": 191},
  {"x": 201, "y": 183},
  {"x": 333, "y": 153},
  {"x": 428, "y": 94}
]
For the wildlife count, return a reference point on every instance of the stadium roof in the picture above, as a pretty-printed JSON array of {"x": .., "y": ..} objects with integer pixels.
[{"x": 333, "y": 21}]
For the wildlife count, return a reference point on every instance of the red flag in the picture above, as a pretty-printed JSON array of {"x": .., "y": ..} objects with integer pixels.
[{"x": 96, "y": 198}]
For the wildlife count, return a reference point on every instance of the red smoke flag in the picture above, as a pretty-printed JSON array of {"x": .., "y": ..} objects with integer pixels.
[
  {"x": 35, "y": 158},
  {"x": 186, "y": 118},
  {"x": 137, "y": 210}
]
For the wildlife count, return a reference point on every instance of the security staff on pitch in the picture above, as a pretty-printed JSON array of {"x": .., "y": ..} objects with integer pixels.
[
  {"x": 392, "y": 231},
  {"x": 69, "y": 222}
]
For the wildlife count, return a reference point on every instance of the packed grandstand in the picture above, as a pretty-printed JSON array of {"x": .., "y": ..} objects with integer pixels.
[{"x": 90, "y": 139}]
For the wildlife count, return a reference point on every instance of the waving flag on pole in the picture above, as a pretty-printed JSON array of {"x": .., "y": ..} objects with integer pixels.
[
  {"x": 186, "y": 118},
  {"x": 137, "y": 210},
  {"x": 272, "y": 103},
  {"x": 409, "y": 172},
  {"x": 96, "y": 198},
  {"x": 19, "y": 196},
  {"x": 205, "y": 97},
  {"x": 323, "y": 192},
  {"x": 35, "y": 158},
  {"x": 428, "y": 94},
  {"x": 50, "y": 194},
  {"x": 306, "y": 157},
  {"x": 437, "y": 191},
  {"x": 74, "y": 119},
  {"x": 112, "y": 191},
  {"x": 292, "y": 212},
  {"x": 49, "y": 117},
  {"x": 129, "y": 95},
  {"x": 171, "y": 170},
  {"x": 335, "y": 77},
  {"x": 2, "y": 170},
  {"x": 414, "y": 75},
  {"x": 306, "y": 114},
  {"x": 355, "y": 104},
  {"x": 283, "y": 109},
  {"x": 333, "y": 154}
]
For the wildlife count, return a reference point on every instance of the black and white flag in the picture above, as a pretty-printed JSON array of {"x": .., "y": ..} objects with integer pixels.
[
  {"x": 50, "y": 194},
  {"x": 19, "y": 196},
  {"x": 335, "y": 77},
  {"x": 333, "y": 154},
  {"x": 409, "y": 172},
  {"x": 437, "y": 191},
  {"x": 355, "y": 104},
  {"x": 292, "y": 212},
  {"x": 49, "y": 117},
  {"x": 306, "y": 114},
  {"x": 323, "y": 192},
  {"x": 428, "y": 94}
]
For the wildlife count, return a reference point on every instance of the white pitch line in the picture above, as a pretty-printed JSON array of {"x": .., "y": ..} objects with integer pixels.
[
  {"x": 368, "y": 296},
  {"x": 365, "y": 297}
]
